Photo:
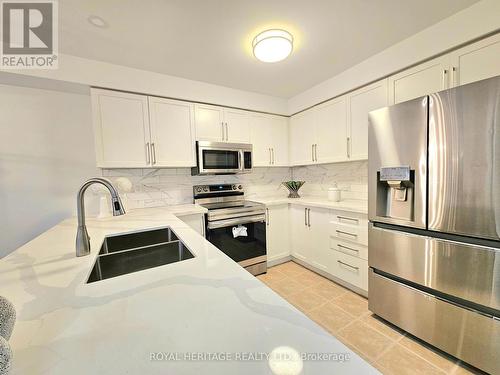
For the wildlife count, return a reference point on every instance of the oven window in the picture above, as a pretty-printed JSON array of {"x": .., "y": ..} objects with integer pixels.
[
  {"x": 240, "y": 248},
  {"x": 220, "y": 159}
]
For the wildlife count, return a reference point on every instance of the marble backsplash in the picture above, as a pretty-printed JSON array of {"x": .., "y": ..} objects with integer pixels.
[
  {"x": 160, "y": 187},
  {"x": 351, "y": 177}
]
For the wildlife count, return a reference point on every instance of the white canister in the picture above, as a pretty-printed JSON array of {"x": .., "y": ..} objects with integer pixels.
[{"x": 334, "y": 194}]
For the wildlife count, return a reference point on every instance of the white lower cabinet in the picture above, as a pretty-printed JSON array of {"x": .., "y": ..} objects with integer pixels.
[
  {"x": 277, "y": 232},
  {"x": 334, "y": 242}
]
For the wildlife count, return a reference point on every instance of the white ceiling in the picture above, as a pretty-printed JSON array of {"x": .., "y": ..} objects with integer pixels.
[{"x": 210, "y": 40}]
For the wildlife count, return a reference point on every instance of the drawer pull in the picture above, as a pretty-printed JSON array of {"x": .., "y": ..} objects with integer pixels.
[
  {"x": 346, "y": 233},
  {"x": 348, "y": 265},
  {"x": 348, "y": 219},
  {"x": 347, "y": 248}
]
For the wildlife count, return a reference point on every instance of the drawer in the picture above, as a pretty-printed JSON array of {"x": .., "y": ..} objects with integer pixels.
[
  {"x": 350, "y": 248},
  {"x": 349, "y": 218},
  {"x": 350, "y": 269},
  {"x": 351, "y": 233}
]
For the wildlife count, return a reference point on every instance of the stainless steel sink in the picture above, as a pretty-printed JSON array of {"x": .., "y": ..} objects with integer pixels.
[{"x": 127, "y": 253}]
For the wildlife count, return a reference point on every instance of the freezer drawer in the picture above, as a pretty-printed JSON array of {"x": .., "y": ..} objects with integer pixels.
[
  {"x": 463, "y": 333},
  {"x": 461, "y": 270},
  {"x": 464, "y": 160}
]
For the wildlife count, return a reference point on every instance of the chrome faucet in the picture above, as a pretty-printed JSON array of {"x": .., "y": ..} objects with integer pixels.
[{"x": 82, "y": 237}]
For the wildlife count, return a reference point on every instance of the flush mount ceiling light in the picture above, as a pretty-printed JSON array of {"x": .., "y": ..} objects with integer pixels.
[{"x": 272, "y": 45}]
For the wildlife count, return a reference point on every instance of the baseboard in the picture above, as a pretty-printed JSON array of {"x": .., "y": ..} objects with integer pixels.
[
  {"x": 275, "y": 262},
  {"x": 345, "y": 284}
]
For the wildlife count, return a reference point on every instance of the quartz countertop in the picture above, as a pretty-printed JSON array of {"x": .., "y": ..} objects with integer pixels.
[
  {"x": 352, "y": 205},
  {"x": 164, "y": 320}
]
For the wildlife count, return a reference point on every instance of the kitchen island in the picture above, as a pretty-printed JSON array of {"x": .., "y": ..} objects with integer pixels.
[{"x": 204, "y": 315}]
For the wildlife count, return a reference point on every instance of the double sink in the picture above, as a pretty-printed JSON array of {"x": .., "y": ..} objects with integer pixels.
[{"x": 132, "y": 252}]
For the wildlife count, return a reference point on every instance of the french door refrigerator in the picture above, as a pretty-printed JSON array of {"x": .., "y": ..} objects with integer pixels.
[{"x": 434, "y": 210}]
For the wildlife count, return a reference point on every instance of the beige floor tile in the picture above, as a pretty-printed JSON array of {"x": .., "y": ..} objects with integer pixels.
[
  {"x": 370, "y": 342},
  {"x": 383, "y": 327},
  {"x": 330, "y": 317},
  {"x": 352, "y": 303},
  {"x": 400, "y": 361},
  {"x": 290, "y": 268},
  {"x": 309, "y": 278},
  {"x": 287, "y": 287},
  {"x": 328, "y": 289},
  {"x": 431, "y": 355},
  {"x": 464, "y": 369},
  {"x": 270, "y": 279},
  {"x": 306, "y": 300}
]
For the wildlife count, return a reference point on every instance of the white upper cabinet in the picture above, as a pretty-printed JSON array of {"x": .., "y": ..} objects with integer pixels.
[
  {"x": 330, "y": 131},
  {"x": 361, "y": 102},
  {"x": 426, "y": 78},
  {"x": 302, "y": 138},
  {"x": 136, "y": 131},
  {"x": 121, "y": 129},
  {"x": 220, "y": 124},
  {"x": 475, "y": 62},
  {"x": 237, "y": 125},
  {"x": 172, "y": 133},
  {"x": 209, "y": 122},
  {"x": 269, "y": 137}
]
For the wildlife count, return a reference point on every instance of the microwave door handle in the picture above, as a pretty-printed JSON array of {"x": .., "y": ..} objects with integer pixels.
[{"x": 240, "y": 160}]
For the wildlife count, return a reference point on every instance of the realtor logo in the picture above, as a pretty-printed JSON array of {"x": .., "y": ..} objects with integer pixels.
[{"x": 29, "y": 34}]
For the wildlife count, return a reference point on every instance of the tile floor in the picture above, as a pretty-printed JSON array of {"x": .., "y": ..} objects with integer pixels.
[{"x": 346, "y": 316}]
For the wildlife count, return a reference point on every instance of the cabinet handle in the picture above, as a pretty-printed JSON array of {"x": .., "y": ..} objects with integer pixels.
[
  {"x": 305, "y": 217},
  {"x": 346, "y": 233},
  {"x": 222, "y": 128},
  {"x": 272, "y": 152},
  {"x": 227, "y": 132},
  {"x": 445, "y": 74},
  {"x": 309, "y": 217},
  {"x": 312, "y": 152},
  {"x": 347, "y": 248},
  {"x": 270, "y": 157},
  {"x": 148, "y": 154},
  {"x": 316, "y": 151},
  {"x": 267, "y": 217},
  {"x": 348, "y": 265},
  {"x": 153, "y": 152},
  {"x": 453, "y": 76},
  {"x": 347, "y": 218},
  {"x": 348, "y": 147}
]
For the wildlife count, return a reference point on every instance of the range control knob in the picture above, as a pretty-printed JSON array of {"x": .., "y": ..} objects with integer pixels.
[
  {"x": 198, "y": 189},
  {"x": 233, "y": 187},
  {"x": 205, "y": 188},
  {"x": 240, "y": 187}
]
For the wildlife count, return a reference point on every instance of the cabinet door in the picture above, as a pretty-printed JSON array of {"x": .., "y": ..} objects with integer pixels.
[
  {"x": 172, "y": 133},
  {"x": 331, "y": 131},
  {"x": 121, "y": 129},
  {"x": 300, "y": 235},
  {"x": 302, "y": 138},
  {"x": 260, "y": 137},
  {"x": 237, "y": 125},
  {"x": 477, "y": 61},
  {"x": 278, "y": 242},
  {"x": 361, "y": 102},
  {"x": 279, "y": 139},
  {"x": 319, "y": 237},
  {"x": 426, "y": 78},
  {"x": 209, "y": 121}
]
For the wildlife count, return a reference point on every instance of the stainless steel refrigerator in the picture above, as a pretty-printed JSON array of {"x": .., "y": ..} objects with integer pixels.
[{"x": 434, "y": 210}]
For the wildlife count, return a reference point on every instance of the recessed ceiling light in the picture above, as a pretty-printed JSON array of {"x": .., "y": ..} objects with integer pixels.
[
  {"x": 97, "y": 21},
  {"x": 272, "y": 45}
]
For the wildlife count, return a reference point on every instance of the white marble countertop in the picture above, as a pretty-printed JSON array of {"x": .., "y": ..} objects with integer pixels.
[
  {"x": 352, "y": 205},
  {"x": 207, "y": 304}
]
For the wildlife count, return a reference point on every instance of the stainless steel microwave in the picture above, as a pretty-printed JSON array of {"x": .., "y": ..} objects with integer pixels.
[{"x": 222, "y": 158}]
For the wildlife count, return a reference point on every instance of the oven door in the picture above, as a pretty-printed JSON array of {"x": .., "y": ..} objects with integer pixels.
[
  {"x": 214, "y": 159},
  {"x": 249, "y": 250}
]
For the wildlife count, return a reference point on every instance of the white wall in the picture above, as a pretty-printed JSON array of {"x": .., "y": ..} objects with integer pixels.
[
  {"x": 46, "y": 152},
  {"x": 473, "y": 22},
  {"x": 97, "y": 73}
]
